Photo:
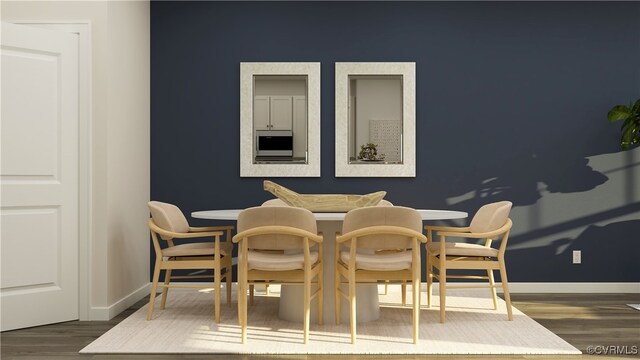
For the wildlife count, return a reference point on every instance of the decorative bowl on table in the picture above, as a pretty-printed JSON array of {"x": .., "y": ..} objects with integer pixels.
[{"x": 323, "y": 202}]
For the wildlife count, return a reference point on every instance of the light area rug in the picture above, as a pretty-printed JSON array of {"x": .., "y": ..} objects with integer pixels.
[{"x": 472, "y": 327}]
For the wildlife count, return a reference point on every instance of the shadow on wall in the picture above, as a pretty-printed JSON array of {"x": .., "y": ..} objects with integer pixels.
[
  {"x": 534, "y": 172},
  {"x": 600, "y": 250}
]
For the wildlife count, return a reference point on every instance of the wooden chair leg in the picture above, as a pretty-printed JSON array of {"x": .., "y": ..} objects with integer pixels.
[
  {"x": 416, "y": 307},
  {"x": 505, "y": 288},
  {"x": 320, "y": 295},
  {"x": 242, "y": 304},
  {"x": 337, "y": 296},
  {"x": 386, "y": 287},
  {"x": 217, "y": 289},
  {"x": 352, "y": 303},
  {"x": 307, "y": 305},
  {"x": 443, "y": 291},
  {"x": 229, "y": 277},
  {"x": 154, "y": 289},
  {"x": 165, "y": 290},
  {"x": 429, "y": 283},
  {"x": 494, "y": 295},
  {"x": 404, "y": 292},
  {"x": 266, "y": 288}
]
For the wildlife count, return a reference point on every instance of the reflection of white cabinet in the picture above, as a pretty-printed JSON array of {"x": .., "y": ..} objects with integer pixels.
[
  {"x": 283, "y": 113},
  {"x": 261, "y": 113},
  {"x": 273, "y": 113}
]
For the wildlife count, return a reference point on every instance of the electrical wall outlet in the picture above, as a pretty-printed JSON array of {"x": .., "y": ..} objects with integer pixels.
[{"x": 577, "y": 256}]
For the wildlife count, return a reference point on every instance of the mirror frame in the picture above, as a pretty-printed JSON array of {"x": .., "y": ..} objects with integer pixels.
[
  {"x": 247, "y": 166},
  {"x": 408, "y": 72}
]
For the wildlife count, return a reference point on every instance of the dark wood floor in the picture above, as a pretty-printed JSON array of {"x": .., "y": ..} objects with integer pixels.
[{"x": 583, "y": 320}]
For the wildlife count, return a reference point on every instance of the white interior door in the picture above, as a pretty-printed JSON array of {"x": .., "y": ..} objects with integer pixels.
[{"x": 39, "y": 177}]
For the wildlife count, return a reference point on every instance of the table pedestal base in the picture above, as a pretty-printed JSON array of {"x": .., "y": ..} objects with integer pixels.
[{"x": 291, "y": 306}]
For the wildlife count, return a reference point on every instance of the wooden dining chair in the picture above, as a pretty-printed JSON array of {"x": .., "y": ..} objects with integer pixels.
[
  {"x": 378, "y": 243},
  {"x": 279, "y": 245},
  {"x": 168, "y": 223},
  {"x": 490, "y": 223}
]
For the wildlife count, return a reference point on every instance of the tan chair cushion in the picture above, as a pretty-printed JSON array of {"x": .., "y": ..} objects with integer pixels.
[
  {"x": 274, "y": 202},
  {"x": 490, "y": 217},
  {"x": 461, "y": 249},
  {"x": 381, "y": 262},
  {"x": 260, "y": 260},
  {"x": 384, "y": 202},
  {"x": 276, "y": 215},
  {"x": 382, "y": 215},
  {"x": 168, "y": 217},
  {"x": 193, "y": 249}
]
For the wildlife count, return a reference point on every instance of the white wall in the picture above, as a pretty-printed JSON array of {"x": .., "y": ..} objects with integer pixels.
[{"x": 120, "y": 151}]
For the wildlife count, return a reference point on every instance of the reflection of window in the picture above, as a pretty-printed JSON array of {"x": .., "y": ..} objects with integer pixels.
[{"x": 375, "y": 115}]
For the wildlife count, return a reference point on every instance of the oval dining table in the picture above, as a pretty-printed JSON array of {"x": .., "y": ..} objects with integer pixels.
[{"x": 367, "y": 305}]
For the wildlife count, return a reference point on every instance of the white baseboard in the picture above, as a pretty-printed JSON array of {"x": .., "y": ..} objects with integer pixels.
[{"x": 109, "y": 312}]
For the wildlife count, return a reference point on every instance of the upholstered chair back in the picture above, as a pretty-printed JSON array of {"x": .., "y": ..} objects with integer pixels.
[
  {"x": 276, "y": 215},
  {"x": 378, "y": 216},
  {"x": 490, "y": 217},
  {"x": 168, "y": 217},
  {"x": 384, "y": 202},
  {"x": 275, "y": 202}
]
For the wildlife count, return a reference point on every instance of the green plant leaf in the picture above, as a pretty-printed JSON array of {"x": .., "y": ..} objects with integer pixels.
[
  {"x": 635, "y": 109},
  {"x": 630, "y": 136},
  {"x": 618, "y": 112}
]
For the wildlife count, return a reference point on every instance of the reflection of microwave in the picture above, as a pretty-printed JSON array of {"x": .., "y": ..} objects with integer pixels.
[{"x": 274, "y": 143}]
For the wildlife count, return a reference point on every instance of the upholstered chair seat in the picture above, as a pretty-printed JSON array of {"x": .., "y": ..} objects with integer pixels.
[
  {"x": 462, "y": 249},
  {"x": 400, "y": 260},
  {"x": 261, "y": 260},
  {"x": 194, "y": 249}
]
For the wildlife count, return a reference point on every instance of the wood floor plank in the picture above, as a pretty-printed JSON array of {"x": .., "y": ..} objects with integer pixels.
[{"x": 583, "y": 320}]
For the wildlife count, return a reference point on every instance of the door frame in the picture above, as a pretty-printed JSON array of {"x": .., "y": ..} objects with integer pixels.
[{"x": 85, "y": 121}]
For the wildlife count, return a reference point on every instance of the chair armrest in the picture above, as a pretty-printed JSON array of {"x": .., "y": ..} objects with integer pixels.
[
  {"x": 277, "y": 229},
  {"x": 210, "y": 228},
  {"x": 170, "y": 234},
  {"x": 447, "y": 228},
  {"x": 489, "y": 234},
  {"x": 380, "y": 229}
]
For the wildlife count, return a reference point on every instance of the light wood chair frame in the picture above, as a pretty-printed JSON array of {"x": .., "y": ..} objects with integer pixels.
[
  {"x": 444, "y": 262},
  {"x": 217, "y": 263},
  {"x": 305, "y": 277},
  {"x": 356, "y": 276}
]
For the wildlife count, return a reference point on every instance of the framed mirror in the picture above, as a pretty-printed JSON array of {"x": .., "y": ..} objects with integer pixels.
[
  {"x": 279, "y": 119},
  {"x": 375, "y": 119}
]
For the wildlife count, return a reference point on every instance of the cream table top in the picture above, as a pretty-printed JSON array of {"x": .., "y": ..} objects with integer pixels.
[{"x": 232, "y": 214}]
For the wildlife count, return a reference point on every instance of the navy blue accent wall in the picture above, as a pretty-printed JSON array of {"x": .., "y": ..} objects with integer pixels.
[{"x": 511, "y": 104}]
